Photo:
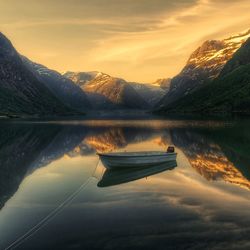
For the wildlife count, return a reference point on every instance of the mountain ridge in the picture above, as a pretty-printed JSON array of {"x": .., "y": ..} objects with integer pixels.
[
  {"x": 60, "y": 86},
  {"x": 21, "y": 93},
  {"x": 204, "y": 65},
  {"x": 100, "y": 87},
  {"x": 228, "y": 93}
]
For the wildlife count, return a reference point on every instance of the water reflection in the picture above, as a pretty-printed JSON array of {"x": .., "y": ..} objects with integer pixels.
[
  {"x": 41, "y": 165},
  {"x": 112, "y": 138},
  {"x": 24, "y": 148},
  {"x": 217, "y": 154},
  {"x": 116, "y": 177}
]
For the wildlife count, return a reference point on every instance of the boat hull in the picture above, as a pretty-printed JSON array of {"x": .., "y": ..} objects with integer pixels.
[{"x": 134, "y": 160}]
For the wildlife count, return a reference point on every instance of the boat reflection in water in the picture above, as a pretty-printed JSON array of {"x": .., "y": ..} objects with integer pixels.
[{"x": 113, "y": 177}]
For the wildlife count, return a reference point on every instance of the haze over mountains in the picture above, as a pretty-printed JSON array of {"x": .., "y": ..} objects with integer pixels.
[{"x": 215, "y": 79}]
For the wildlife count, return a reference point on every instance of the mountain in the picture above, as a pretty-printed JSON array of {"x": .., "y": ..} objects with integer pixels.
[
  {"x": 229, "y": 92},
  {"x": 107, "y": 92},
  {"x": 81, "y": 78},
  {"x": 21, "y": 93},
  {"x": 94, "y": 83},
  {"x": 62, "y": 87},
  {"x": 204, "y": 65},
  {"x": 240, "y": 58},
  {"x": 163, "y": 83}
]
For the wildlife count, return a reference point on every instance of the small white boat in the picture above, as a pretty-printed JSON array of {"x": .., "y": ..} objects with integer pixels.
[{"x": 136, "y": 159}]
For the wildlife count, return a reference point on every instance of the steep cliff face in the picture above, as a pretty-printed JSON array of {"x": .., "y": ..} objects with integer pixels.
[
  {"x": 240, "y": 58},
  {"x": 63, "y": 88},
  {"x": 228, "y": 93},
  {"x": 204, "y": 65},
  {"x": 20, "y": 91}
]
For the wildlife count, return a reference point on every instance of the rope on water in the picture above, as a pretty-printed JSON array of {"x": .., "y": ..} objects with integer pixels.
[
  {"x": 46, "y": 219},
  {"x": 50, "y": 216}
]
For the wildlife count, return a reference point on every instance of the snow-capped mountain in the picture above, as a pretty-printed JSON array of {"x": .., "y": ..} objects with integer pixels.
[
  {"x": 204, "y": 64},
  {"x": 103, "y": 89},
  {"x": 107, "y": 92},
  {"x": 81, "y": 78}
]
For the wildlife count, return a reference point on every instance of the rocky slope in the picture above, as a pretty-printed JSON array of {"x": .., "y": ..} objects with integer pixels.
[
  {"x": 204, "y": 65},
  {"x": 62, "y": 87},
  {"x": 107, "y": 92},
  {"x": 21, "y": 93},
  {"x": 229, "y": 92}
]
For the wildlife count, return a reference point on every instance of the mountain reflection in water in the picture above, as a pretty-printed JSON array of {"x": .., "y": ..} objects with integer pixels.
[
  {"x": 219, "y": 152},
  {"x": 215, "y": 154}
]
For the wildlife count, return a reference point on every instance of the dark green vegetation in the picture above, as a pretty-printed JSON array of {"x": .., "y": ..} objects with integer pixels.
[{"x": 230, "y": 92}]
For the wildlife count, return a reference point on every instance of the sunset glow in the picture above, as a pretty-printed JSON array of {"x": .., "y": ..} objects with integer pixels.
[{"x": 138, "y": 40}]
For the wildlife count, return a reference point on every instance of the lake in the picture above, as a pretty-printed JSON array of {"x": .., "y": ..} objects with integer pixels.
[{"x": 51, "y": 195}]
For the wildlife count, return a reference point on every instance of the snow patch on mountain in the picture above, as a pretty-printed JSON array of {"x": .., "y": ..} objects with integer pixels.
[{"x": 204, "y": 64}]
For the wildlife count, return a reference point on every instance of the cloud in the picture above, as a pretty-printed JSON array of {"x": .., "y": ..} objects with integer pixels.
[
  {"x": 138, "y": 40},
  {"x": 173, "y": 37}
]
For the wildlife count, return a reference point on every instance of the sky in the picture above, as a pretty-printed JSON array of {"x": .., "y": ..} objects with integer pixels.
[{"x": 138, "y": 40}]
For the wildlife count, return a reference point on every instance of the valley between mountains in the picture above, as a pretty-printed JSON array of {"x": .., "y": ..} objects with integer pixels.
[{"x": 216, "y": 79}]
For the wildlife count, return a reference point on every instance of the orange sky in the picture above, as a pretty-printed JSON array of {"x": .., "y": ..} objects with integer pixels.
[{"x": 139, "y": 40}]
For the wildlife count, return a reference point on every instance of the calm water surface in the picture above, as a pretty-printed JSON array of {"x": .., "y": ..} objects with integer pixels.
[{"x": 50, "y": 178}]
